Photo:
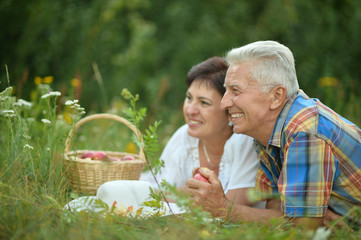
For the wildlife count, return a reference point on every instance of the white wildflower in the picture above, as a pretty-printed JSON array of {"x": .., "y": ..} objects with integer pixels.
[
  {"x": 27, "y": 146},
  {"x": 4, "y": 99},
  {"x": 46, "y": 121},
  {"x": 45, "y": 96},
  {"x": 75, "y": 106},
  {"x": 322, "y": 233},
  {"x": 51, "y": 94},
  {"x": 22, "y": 102},
  {"x": 8, "y": 113},
  {"x": 70, "y": 102},
  {"x": 7, "y": 92},
  {"x": 27, "y": 137}
]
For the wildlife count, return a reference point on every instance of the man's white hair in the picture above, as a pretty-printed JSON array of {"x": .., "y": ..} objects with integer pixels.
[{"x": 272, "y": 64}]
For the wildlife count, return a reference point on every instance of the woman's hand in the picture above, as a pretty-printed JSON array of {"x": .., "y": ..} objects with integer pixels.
[{"x": 208, "y": 195}]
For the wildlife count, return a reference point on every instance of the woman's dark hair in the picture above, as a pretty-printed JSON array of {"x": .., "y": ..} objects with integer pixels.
[{"x": 211, "y": 71}]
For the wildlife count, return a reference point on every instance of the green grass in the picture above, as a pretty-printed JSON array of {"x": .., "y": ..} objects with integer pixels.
[{"x": 34, "y": 187}]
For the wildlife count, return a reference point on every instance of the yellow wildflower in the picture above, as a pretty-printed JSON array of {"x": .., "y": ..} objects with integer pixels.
[
  {"x": 328, "y": 82},
  {"x": 67, "y": 117},
  {"x": 48, "y": 79},
  {"x": 75, "y": 82},
  {"x": 38, "y": 80},
  {"x": 131, "y": 147}
]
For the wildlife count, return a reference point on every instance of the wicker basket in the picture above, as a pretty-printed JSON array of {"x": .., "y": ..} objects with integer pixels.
[{"x": 86, "y": 175}]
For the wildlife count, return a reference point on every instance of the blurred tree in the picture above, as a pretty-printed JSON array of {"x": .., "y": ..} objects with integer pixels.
[{"x": 148, "y": 46}]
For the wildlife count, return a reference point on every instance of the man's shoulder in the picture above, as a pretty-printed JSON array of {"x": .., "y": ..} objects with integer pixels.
[{"x": 311, "y": 116}]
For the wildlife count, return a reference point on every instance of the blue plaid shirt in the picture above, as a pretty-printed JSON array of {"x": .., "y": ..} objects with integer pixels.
[{"x": 313, "y": 160}]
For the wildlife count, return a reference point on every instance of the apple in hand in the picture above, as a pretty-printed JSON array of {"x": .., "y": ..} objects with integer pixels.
[
  {"x": 128, "y": 157},
  {"x": 203, "y": 168},
  {"x": 88, "y": 154},
  {"x": 198, "y": 176},
  {"x": 99, "y": 155}
]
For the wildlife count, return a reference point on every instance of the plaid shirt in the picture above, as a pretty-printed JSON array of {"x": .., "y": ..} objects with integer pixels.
[{"x": 313, "y": 160}]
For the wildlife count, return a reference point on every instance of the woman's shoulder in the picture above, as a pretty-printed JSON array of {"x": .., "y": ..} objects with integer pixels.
[
  {"x": 239, "y": 146},
  {"x": 182, "y": 137}
]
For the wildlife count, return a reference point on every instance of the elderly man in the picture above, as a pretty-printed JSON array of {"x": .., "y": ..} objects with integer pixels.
[{"x": 309, "y": 155}]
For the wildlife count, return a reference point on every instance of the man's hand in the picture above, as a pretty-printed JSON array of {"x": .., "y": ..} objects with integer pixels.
[
  {"x": 212, "y": 198},
  {"x": 208, "y": 195}
]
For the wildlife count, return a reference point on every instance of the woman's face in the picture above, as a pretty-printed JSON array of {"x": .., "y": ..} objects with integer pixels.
[{"x": 202, "y": 111}]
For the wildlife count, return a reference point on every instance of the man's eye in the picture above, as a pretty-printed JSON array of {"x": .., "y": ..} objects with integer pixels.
[{"x": 235, "y": 91}]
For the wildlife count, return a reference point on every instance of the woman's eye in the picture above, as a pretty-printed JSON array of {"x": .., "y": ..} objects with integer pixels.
[
  {"x": 188, "y": 98},
  {"x": 205, "y": 103}
]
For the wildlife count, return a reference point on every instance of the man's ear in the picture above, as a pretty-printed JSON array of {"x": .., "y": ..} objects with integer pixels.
[{"x": 278, "y": 97}]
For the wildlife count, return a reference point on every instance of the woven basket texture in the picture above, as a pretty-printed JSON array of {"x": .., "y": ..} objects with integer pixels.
[{"x": 86, "y": 175}]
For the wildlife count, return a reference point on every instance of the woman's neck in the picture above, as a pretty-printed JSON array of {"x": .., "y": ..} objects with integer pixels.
[{"x": 215, "y": 144}]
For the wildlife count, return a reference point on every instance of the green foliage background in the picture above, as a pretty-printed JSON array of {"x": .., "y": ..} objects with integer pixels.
[{"x": 148, "y": 46}]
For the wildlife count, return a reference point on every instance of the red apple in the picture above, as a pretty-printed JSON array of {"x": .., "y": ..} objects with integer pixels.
[
  {"x": 203, "y": 168},
  {"x": 114, "y": 159},
  {"x": 88, "y": 154},
  {"x": 99, "y": 155},
  {"x": 199, "y": 177},
  {"x": 128, "y": 157}
]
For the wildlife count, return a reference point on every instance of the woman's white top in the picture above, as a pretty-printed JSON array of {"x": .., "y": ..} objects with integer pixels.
[{"x": 237, "y": 168}]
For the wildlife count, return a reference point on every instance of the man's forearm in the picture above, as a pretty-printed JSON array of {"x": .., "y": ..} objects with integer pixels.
[{"x": 250, "y": 214}]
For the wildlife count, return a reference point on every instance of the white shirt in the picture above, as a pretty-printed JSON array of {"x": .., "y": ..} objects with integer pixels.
[{"x": 237, "y": 168}]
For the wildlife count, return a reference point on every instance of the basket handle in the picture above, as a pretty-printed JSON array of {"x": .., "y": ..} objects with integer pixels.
[{"x": 103, "y": 116}]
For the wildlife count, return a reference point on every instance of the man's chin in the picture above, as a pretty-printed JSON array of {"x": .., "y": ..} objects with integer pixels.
[{"x": 237, "y": 129}]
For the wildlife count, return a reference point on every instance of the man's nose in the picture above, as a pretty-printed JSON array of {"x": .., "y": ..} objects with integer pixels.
[{"x": 226, "y": 101}]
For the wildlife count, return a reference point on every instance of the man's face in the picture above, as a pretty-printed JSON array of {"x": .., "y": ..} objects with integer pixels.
[{"x": 246, "y": 104}]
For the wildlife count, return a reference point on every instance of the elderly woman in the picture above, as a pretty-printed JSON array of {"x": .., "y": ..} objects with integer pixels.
[{"x": 207, "y": 139}]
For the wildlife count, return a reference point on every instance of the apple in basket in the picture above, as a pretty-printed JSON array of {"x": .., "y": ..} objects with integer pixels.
[
  {"x": 88, "y": 154},
  {"x": 198, "y": 176},
  {"x": 99, "y": 155},
  {"x": 114, "y": 159},
  {"x": 127, "y": 158}
]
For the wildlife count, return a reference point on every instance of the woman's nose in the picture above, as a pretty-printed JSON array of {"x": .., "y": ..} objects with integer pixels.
[{"x": 191, "y": 108}]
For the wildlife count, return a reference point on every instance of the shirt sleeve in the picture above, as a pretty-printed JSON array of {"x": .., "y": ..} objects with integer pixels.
[
  {"x": 264, "y": 186},
  {"x": 305, "y": 182},
  {"x": 244, "y": 165}
]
